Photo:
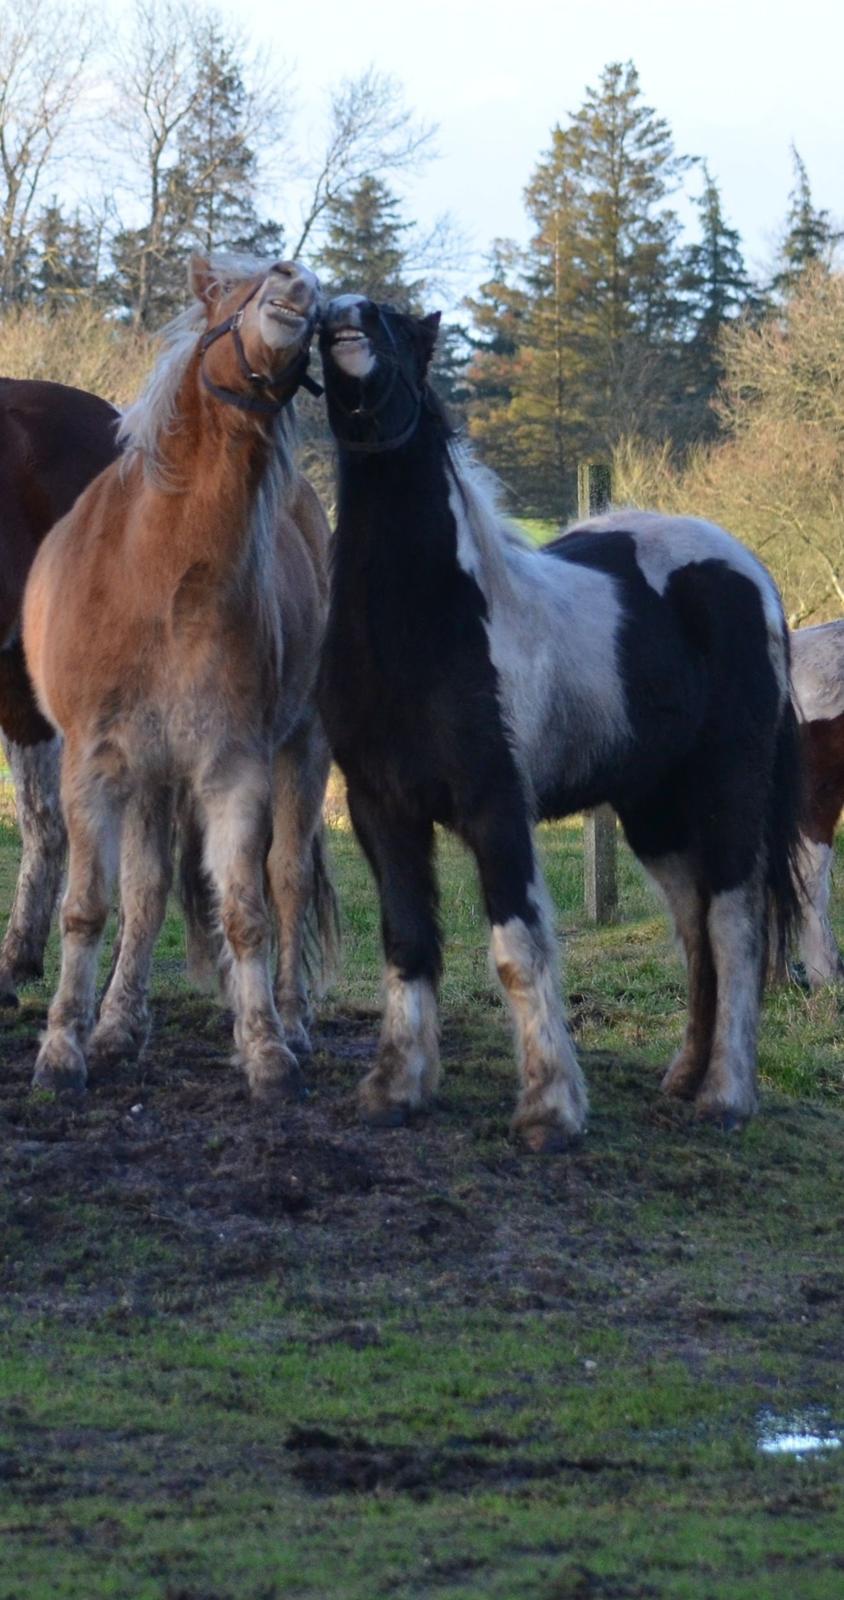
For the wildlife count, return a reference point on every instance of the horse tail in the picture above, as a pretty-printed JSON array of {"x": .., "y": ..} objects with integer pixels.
[
  {"x": 783, "y": 828},
  {"x": 322, "y": 941},
  {"x": 198, "y": 901}
]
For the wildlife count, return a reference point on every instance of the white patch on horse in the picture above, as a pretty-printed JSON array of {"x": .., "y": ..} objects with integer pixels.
[
  {"x": 353, "y": 354},
  {"x": 524, "y": 959},
  {"x": 734, "y": 922},
  {"x": 817, "y": 670},
  {"x": 410, "y": 1032},
  {"x": 553, "y": 628},
  {"x": 817, "y": 944},
  {"x": 666, "y": 544},
  {"x": 35, "y": 770}
]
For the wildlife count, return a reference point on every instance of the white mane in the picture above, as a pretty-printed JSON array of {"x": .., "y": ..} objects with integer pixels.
[
  {"x": 494, "y": 537},
  {"x": 153, "y": 414}
]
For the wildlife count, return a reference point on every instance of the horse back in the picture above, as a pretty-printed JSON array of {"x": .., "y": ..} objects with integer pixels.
[{"x": 53, "y": 441}]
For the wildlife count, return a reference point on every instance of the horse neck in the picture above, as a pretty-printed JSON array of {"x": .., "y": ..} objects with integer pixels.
[
  {"x": 212, "y": 467},
  {"x": 414, "y": 514},
  {"x": 393, "y": 506}
]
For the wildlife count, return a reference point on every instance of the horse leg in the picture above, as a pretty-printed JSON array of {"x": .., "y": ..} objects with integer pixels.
[
  {"x": 35, "y": 769},
  {"x": 300, "y": 773},
  {"x": 237, "y": 830},
  {"x": 675, "y": 876},
  {"x": 819, "y": 950},
  {"x": 406, "y": 1072},
  {"x": 123, "y": 1025},
  {"x": 736, "y": 926},
  {"x": 92, "y": 815},
  {"x": 552, "y": 1106}
]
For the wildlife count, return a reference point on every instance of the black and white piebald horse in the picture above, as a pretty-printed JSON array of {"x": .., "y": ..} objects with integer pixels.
[{"x": 471, "y": 680}]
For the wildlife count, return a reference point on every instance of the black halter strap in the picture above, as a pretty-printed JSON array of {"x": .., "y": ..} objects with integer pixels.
[
  {"x": 377, "y": 445},
  {"x": 273, "y": 393}
]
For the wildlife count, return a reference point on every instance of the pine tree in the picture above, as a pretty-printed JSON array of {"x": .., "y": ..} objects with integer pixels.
[
  {"x": 216, "y": 175},
  {"x": 615, "y": 166},
  {"x": 364, "y": 251},
  {"x": 716, "y": 287},
  {"x": 498, "y": 312},
  {"x": 601, "y": 313},
  {"x": 810, "y": 236},
  {"x": 449, "y": 369},
  {"x": 192, "y": 119},
  {"x": 65, "y": 260}
]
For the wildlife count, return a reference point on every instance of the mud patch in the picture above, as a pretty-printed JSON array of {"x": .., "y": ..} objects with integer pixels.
[{"x": 327, "y": 1463}]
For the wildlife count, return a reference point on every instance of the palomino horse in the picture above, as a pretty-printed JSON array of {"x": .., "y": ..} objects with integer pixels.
[
  {"x": 471, "y": 680},
  {"x": 818, "y": 673},
  {"x": 172, "y": 624},
  {"x": 53, "y": 441}
]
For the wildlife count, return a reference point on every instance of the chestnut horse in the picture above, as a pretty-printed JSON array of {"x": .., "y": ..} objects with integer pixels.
[
  {"x": 172, "y": 625},
  {"x": 53, "y": 441}
]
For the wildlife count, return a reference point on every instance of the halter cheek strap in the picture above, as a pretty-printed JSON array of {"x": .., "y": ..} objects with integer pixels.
[{"x": 272, "y": 393}]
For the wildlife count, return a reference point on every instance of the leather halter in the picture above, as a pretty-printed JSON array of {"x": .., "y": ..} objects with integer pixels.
[
  {"x": 379, "y": 445},
  {"x": 273, "y": 393}
]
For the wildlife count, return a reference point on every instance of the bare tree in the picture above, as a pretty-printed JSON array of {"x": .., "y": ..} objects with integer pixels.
[
  {"x": 777, "y": 477},
  {"x": 369, "y": 131},
  {"x": 44, "y": 51},
  {"x": 161, "y": 111},
  {"x": 156, "y": 91}
]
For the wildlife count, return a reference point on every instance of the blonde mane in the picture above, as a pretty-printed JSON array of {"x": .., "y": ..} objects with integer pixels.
[{"x": 153, "y": 414}]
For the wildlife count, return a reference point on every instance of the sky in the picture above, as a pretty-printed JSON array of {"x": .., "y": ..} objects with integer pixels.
[{"x": 737, "y": 80}]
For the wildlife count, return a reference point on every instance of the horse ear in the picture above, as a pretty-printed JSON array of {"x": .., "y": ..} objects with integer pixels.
[
  {"x": 202, "y": 280},
  {"x": 429, "y": 328}
]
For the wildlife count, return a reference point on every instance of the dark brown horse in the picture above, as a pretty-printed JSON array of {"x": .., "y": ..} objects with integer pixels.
[{"x": 53, "y": 441}]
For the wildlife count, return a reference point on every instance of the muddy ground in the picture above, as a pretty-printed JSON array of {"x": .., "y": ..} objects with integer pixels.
[{"x": 659, "y": 1256}]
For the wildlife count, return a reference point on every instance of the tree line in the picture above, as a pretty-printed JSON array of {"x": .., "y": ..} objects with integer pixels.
[
  {"x": 181, "y": 136},
  {"x": 609, "y": 325}
]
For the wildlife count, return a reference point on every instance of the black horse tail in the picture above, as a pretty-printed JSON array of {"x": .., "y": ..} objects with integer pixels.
[
  {"x": 321, "y": 944},
  {"x": 784, "y": 825}
]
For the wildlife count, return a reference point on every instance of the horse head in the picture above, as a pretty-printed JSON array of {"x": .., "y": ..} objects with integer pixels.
[
  {"x": 254, "y": 353},
  {"x": 375, "y": 363}
]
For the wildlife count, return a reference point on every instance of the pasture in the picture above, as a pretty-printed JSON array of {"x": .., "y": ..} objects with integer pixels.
[{"x": 274, "y": 1356}]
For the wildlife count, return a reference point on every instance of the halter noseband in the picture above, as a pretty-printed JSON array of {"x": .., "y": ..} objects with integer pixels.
[
  {"x": 378, "y": 445},
  {"x": 274, "y": 393}
]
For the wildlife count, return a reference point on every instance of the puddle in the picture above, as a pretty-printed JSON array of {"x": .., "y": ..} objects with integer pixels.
[{"x": 797, "y": 1434}]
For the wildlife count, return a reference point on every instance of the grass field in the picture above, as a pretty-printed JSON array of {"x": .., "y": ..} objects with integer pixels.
[{"x": 278, "y": 1357}]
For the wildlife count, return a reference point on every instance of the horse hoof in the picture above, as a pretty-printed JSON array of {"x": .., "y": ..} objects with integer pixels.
[
  {"x": 60, "y": 1078},
  {"x": 284, "y": 1084},
  {"x": 397, "y": 1115},
  {"x": 108, "y": 1047},
  {"x": 722, "y": 1118},
  {"x": 297, "y": 1039},
  {"x": 681, "y": 1079},
  {"x": 547, "y": 1138}
]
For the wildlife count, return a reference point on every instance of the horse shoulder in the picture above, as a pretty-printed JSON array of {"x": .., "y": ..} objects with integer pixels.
[{"x": 308, "y": 514}]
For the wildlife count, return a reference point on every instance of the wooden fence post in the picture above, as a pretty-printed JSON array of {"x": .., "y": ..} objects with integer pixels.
[{"x": 600, "y": 869}]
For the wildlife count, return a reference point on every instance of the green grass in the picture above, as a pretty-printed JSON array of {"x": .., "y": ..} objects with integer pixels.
[
  {"x": 539, "y": 529},
  {"x": 456, "y": 1372}
]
